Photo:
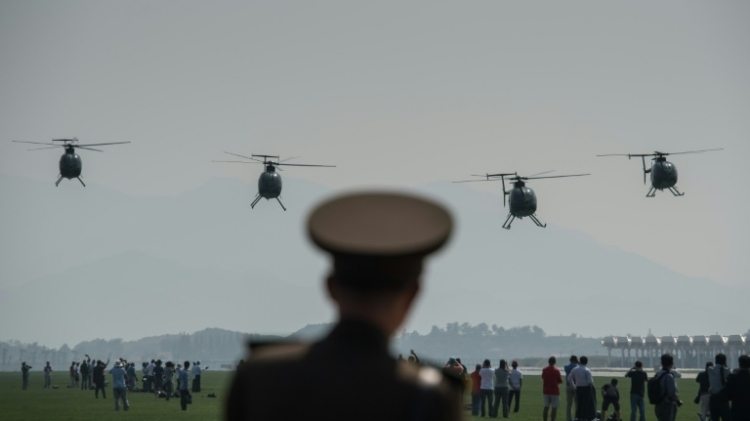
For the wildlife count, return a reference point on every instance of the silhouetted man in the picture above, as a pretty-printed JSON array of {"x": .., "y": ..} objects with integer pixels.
[{"x": 378, "y": 242}]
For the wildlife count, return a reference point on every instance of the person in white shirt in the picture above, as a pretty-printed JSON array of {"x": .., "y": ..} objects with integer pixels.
[
  {"x": 197, "y": 377},
  {"x": 516, "y": 381},
  {"x": 486, "y": 388},
  {"x": 583, "y": 381},
  {"x": 149, "y": 375}
]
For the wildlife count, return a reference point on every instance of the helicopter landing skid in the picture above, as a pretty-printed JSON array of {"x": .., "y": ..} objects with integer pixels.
[
  {"x": 510, "y": 218},
  {"x": 537, "y": 221},
  {"x": 652, "y": 192},
  {"x": 282, "y": 205},
  {"x": 255, "y": 202},
  {"x": 79, "y": 179},
  {"x": 57, "y": 183}
]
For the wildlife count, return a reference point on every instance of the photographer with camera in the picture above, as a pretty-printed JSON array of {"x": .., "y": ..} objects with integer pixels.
[
  {"x": 666, "y": 408},
  {"x": 638, "y": 379},
  {"x": 703, "y": 396}
]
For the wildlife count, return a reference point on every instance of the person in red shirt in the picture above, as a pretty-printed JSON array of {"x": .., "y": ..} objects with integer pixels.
[
  {"x": 476, "y": 382},
  {"x": 551, "y": 380}
]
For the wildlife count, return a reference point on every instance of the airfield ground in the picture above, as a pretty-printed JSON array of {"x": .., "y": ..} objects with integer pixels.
[{"x": 38, "y": 403}]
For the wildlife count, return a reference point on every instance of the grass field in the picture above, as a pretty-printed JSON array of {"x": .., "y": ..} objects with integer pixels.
[{"x": 37, "y": 403}]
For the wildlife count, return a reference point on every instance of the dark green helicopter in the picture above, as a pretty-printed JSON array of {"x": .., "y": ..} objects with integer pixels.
[
  {"x": 663, "y": 173},
  {"x": 269, "y": 183},
  {"x": 70, "y": 163},
  {"x": 521, "y": 198}
]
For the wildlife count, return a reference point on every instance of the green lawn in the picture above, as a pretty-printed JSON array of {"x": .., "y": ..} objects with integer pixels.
[{"x": 38, "y": 403}]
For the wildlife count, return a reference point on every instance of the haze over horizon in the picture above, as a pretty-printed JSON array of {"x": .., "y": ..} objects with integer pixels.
[{"x": 406, "y": 96}]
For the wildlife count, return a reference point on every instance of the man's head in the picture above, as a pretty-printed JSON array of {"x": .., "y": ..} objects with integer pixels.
[
  {"x": 667, "y": 361},
  {"x": 378, "y": 242},
  {"x": 552, "y": 361},
  {"x": 744, "y": 361},
  {"x": 477, "y": 367},
  {"x": 709, "y": 364},
  {"x": 721, "y": 359},
  {"x": 613, "y": 382},
  {"x": 638, "y": 364},
  {"x": 514, "y": 364},
  {"x": 486, "y": 363},
  {"x": 574, "y": 359},
  {"x": 186, "y": 364},
  {"x": 584, "y": 360}
]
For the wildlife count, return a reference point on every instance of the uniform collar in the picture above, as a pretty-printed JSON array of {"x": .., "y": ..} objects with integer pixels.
[{"x": 360, "y": 333}]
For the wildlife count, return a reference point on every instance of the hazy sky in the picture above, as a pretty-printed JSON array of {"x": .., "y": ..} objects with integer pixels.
[{"x": 403, "y": 93}]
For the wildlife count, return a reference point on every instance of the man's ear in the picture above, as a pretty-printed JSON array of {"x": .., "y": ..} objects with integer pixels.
[{"x": 332, "y": 288}]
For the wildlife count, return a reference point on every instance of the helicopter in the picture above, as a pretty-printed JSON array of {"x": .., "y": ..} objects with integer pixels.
[
  {"x": 522, "y": 199},
  {"x": 663, "y": 173},
  {"x": 70, "y": 162},
  {"x": 269, "y": 183}
]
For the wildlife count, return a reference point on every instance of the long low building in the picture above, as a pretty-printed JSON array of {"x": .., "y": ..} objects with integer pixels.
[{"x": 689, "y": 351}]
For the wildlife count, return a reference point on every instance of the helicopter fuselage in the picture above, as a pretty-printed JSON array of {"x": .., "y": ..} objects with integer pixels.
[
  {"x": 269, "y": 183},
  {"x": 663, "y": 174},
  {"x": 70, "y": 164},
  {"x": 522, "y": 200}
]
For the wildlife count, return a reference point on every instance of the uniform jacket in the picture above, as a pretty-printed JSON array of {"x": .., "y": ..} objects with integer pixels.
[{"x": 349, "y": 375}]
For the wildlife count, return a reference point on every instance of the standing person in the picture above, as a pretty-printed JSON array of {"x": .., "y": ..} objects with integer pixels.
[
  {"x": 144, "y": 377},
  {"x": 738, "y": 390},
  {"x": 502, "y": 375},
  {"x": 570, "y": 388},
  {"x": 703, "y": 397},
  {"x": 378, "y": 242},
  {"x": 666, "y": 410},
  {"x": 99, "y": 379},
  {"x": 25, "y": 375},
  {"x": 131, "y": 377},
  {"x": 718, "y": 375},
  {"x": 91, "y": 371},
  {"x": 583, "y": 381},
  {"x": 611, "y": 396},
  {"x": 183, "y": 380},
  {"x": 84, "y": 375},
  {"x": 47, "y": 375},
  {"x": 72, "y": 374},
  {"x": 516, "y": 381},
  {"x": 158, "y": 378},
  {"x": 412, "y": 358},
  {"x": 149, "y": 375},
  {"x": 77, "y": 374},
  {"x": 464, "y": 376},
  {"x": 486, "y": 388},
  {"x": 118, "y": 386},
  {"x": 551, "y": 380},
  {"x": 197, "y": 377},
  {"x": 168, "y": 377},
  {"x": 476, "y": 394},
  {"x": 638, "y": 379}
]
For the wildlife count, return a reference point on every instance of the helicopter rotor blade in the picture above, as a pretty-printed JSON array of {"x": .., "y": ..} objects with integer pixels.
[
  {"x": 700, "y": 151},
  {"x": 88, "y": 149},
  {"x": 240, "y": 162},
  {"x": 35, "y": 143},
  {"x": 554, "y": 176},
  {"x": 304, "y": 165},
  {"x": 47, "y": 147},
  {"x": 288, "y": 159},
  {"x": 474, "y": 181},
  {"x": 242, "y": 156},
  {"x": 546, "y": 172},
  {"x": 99, "y": 144}
]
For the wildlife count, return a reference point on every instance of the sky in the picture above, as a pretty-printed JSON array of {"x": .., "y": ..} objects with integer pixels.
[{"x": 402, "y": 94}]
